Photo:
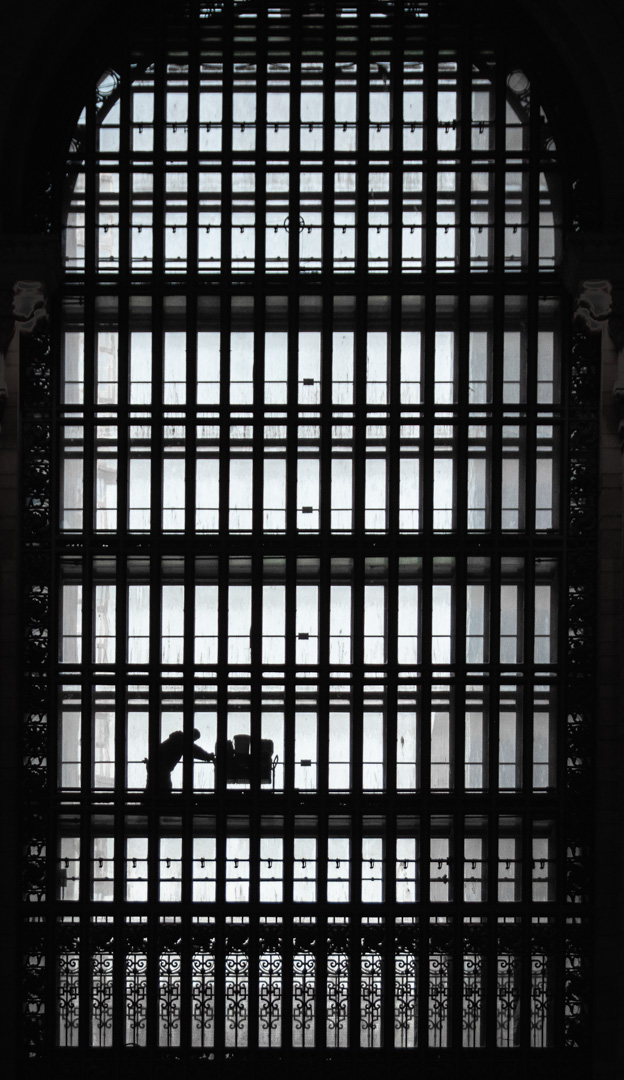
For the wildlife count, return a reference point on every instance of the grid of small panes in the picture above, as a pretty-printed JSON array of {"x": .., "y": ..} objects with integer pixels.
[
  {"x": 311, "y": 436},
  {"x": 220, "y": 420},
  {"x": 312, "y": 154}
]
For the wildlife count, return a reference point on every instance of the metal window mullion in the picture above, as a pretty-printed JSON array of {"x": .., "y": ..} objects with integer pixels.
[
  {"x": 462, "y": 345},
  {"x": 326, "y": 418},
  {"x": 160, "y": 161},
  {"x": 86, "y": 740},
  {"x": 490, "y": 855},
  {"x": 256, "y": 618},
  {"x": 458, "y": 659},
  {"x": 193, "y": 81},
  {"x": 423, "y": 926},
  {"x": 328, "y": 157},
  {"x": 500, "y": 169},
  {"x": 527, "y": 798},
  {"x": 255, "y": 788},
  {"x": 294, "y": 160},
  {"x": 393, "y": 489},
  {"x": 155, "y": 799},
  {"x": 226, "y": 194},
  {"x": 499, "y": 297},
  {"x": 392, "y": 687},
  {"x": 258, "y": 445},
  {"x": 356, "y": 920},
  {"x": 287, "y": 945},
  {"x": 359, "y": 580},
  {"x": 321, "y": 920},
  {"x": 122, "y": 528},
  {"x": 430, "y": 155},
  {"x": 397, "y": 72},
  {"x": 290, "y": 675},
  {"x": 465, "y": 50},
  {"x": 84, "y": 941},
  {"x": 292, "y": 425},
  {"x": 189, "y": 567},
  {"x": 188, "y": 699},
  {"x": 89, "y": 419},
  {"x": 428, "y": 418},
  {"x": 458, "y": 755},
  {"x": 126, "y": 174},
  {"x": 325, "y": 536},
  {"x": 362, "y": 153},
  {"x": 262, "y": 71},
  {"x": 220, "y": 805},
  {"x": 120, "y": 676},
  {"x": 224, "y": 568},
  {"x": 86, "y": 723},
  {"x": 533, "y": 207},
  {"x": 191, "y": 313},
  {"x": 91, "y": 194},
  {"x": 491, "y": 731},
  {"x": 530, "y": 441},
  {"x": 424, "y": 750}
]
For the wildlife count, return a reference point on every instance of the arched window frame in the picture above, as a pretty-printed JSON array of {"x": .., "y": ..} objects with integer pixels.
[{"x": 561, "y": 778}]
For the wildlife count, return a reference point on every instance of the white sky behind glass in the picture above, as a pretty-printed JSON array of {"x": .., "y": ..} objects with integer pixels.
[
  {"x": 377, "y": 367},
  {"x": 340, "y": 624},
  {"x": 343, "y": 343},
  {"x": 140, "y": 368},
  {"x": 444, "y": 366},
  {"x": 174, "y": 363},
  {"x": 276, "y": 368},
  {"x": 107, "y": 367},
  {"x": 208, "y": 367},
  {"x": 241, "y": 367},
  {"x": 309, "y": 367}
]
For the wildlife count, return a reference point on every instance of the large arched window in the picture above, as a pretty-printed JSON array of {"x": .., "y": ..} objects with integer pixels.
[{"x": 312, "y": 436}]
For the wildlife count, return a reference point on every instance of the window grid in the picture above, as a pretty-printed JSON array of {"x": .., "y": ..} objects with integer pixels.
[{"x": 481, "y": 542}]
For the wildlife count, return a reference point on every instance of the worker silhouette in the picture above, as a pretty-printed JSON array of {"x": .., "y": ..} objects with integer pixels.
[{"x": 168, "y": 755}]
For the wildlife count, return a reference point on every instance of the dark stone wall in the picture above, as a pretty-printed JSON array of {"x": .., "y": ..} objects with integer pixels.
[{"x": 51, "y": 52}]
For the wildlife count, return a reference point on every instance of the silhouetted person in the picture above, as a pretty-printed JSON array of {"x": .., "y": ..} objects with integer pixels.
[{"x": 168, "y": 755}]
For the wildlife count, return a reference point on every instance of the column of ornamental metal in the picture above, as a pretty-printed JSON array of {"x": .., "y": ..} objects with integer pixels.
[{"x": 321, "y": 577}]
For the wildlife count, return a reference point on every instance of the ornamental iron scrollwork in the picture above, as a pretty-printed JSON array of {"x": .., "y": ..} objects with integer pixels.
[
  {"x": 68, "y": 997},
  {"x": 33, "y": 991},
  {"x": 371, "y": 999},
  {"x": 406, "y": 974},
  {"x": 473, "y": 1007},
  {"x": 508, "y": 972},
  {"x": 102, "y": 999},
  {"x": 576, "y": 986},
  {"x": 236, "y": 998},
  {"x": 337, "y": 992},
  {"x": 270, "y": 999},
  {"x": 203, "y": 997},
  {"x": 542, "y": 990},
  {"x": 136, "y": 998},
  {"x": 440, "y": 975},
  {"x": 169, "y": 998},
  {"x": 35, "y": 381},
  {"x": 304, "y": 998}
]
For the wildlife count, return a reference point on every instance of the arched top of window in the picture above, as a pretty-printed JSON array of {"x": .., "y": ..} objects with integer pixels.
[{"x": 314, "y": 139}]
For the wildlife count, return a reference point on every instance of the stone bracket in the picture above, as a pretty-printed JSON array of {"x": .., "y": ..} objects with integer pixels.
[
  {"x": 30, "y": 269},
  {"x": 593, "y": 271}
]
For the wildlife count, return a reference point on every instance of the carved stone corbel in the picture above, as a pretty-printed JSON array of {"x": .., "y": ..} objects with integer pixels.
[
  {"x": 30, "y": 267},
  {"x": 593, "y": 270},
  {"x": 21, "y": 308}
]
